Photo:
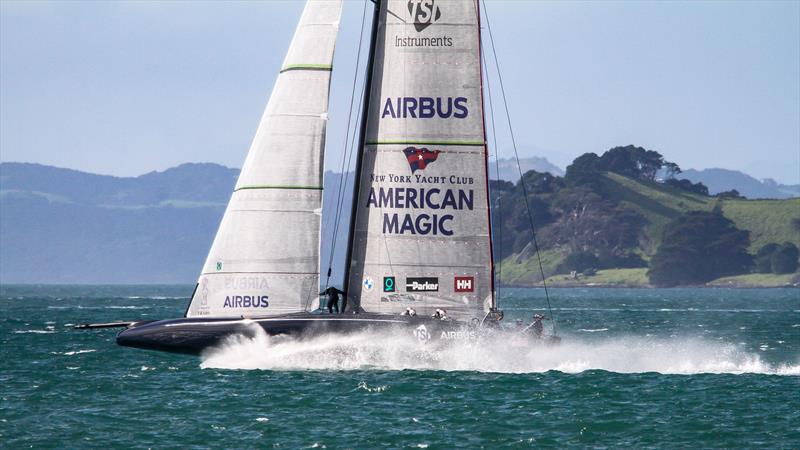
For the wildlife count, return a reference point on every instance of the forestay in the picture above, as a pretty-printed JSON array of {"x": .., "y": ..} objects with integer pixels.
[
  {"x": 422, "y": 236},
  {"x": 265, "y": 256}
]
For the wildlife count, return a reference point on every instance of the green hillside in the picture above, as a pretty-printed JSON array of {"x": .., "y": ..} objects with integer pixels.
[
  {"x": 766, "y": 220},
  {"x": 659, "y": 204}
]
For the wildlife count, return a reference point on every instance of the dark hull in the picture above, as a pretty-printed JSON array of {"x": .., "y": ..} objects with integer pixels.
[{"x": 193, "y": 335}]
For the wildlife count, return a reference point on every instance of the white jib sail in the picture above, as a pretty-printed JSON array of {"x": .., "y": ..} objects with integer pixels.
[
  {"x": 421, "y": 235},
  {"x": 265, "y": 256}
]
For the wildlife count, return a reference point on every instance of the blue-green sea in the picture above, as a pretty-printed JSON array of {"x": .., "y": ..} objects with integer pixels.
[{"x": 675, "y": 368}]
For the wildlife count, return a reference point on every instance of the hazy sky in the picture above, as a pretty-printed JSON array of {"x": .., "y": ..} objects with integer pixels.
[{"x": 124, "y": 88}]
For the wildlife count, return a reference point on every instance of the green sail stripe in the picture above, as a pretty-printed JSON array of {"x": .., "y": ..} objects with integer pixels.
[
  {"x": 469, "y": 143},
  {"x": 313, "y": 188},
  {"x": 327, "y": 67}
]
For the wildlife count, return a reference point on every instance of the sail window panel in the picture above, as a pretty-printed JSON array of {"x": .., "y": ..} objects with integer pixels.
[
  {"x": 299, "y": 92},
  {"x": 287, "y": 153},
  {"x": 266, "y": 241}
]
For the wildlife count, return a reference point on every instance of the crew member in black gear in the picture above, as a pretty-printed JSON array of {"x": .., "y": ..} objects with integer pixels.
[
  {"x": 536, "y": 326},
  {"x": 333, "y": 299}
]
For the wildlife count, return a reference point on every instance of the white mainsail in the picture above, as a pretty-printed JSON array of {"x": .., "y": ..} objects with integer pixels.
[
  {"x": 265, "y": 256},
  {"x": 422, "y": 235}
]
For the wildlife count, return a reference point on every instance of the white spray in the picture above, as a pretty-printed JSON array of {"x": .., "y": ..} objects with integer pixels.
[{"x": 501, "y": 354}]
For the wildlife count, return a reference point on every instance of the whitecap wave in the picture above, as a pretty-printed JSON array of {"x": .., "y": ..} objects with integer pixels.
[{"x": 501, "y": 354}]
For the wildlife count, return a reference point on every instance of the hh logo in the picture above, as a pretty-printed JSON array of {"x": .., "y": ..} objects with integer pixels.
[
  {"x": 423, "y": 13},
  {"x": 464, "y": 284},
  {"x": 419, "y": 158}
]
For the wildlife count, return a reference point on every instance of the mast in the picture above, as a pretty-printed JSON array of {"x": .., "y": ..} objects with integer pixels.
[
  {"x": 360, "y": 152},
  {"x": 486, "y": 157}
]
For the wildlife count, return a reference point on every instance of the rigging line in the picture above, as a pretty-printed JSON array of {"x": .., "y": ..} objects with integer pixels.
[
  {"x": 343, "y": 180},
  {"x": 499, "y": 228},
  {"x": 339, "y": 215},
  {"x": 519, "y": 168}
]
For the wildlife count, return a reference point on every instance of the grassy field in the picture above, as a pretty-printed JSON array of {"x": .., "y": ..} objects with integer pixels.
[
  {"x": 638, "y": 278},
  {"x": 758, "y": 280},
  {"x": 766, "y": 220},
  {"x": 524, "y": 270},
  {"x": 609, "y": 277}
]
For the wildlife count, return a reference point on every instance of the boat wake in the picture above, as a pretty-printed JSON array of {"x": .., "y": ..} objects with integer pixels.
[{"x": 502, "y": 354}]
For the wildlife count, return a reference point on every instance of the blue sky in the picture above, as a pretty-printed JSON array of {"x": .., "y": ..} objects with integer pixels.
[{"x": 124, "y": 88}]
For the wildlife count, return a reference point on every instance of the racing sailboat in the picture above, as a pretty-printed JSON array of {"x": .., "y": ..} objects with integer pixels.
[{"x": 420, "y": 231}]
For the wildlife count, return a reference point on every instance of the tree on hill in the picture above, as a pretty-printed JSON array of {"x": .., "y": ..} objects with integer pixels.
[
  {"x": 629, "y": 161},
  {"x": 774, "y": 258},
  {"x": 633, "y": 162},
  {"x": 584, "y": 170},
  {"x": 686, "y": 185},
  {"x": 579, "y": 262},
  {"x": 764, "y": 257},
  {"x": 698, "y": 247},
  {"x": 784, "y": 259},
  {"x": 585, "y": 222},
  {"x": 733, "y": 193}
]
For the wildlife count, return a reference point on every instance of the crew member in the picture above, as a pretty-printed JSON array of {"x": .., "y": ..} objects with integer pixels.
[
  {"x": 333, "y": 299},
  {"x": 537, "y": 327},
  {"x": 410, "y": 312}
]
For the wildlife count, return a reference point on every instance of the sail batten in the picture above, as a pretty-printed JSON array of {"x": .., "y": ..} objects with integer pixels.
[{"x": 265, "y": 257}]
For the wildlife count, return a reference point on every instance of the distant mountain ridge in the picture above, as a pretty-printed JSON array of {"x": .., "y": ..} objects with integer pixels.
[
  {"x": 65, "y": 226},
  {"x": 202, "y": 183},
  {"x": 721, "y": 180},
  {"x": 510, "y": 172}
]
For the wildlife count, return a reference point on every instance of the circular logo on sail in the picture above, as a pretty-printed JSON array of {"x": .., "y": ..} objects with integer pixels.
[{"x": 368, "y": 283}]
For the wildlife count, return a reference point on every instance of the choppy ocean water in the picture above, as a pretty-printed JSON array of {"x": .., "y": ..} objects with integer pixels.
[{"x": 644, "y": 368}]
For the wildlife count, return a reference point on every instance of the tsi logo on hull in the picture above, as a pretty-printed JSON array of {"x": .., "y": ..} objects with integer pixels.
[{"x": 422, "y": 284}]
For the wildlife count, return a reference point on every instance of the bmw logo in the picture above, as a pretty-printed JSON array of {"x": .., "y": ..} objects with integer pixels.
[{"x": 368, "y": 283}]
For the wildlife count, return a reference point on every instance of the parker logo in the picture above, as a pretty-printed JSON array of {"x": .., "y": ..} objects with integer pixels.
[
  {"x": 423, "y": 13},
  {"x": 422, "y": 284},
  {"x": 420, "y": 158},
  {"x": 464, "y": 284}
]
